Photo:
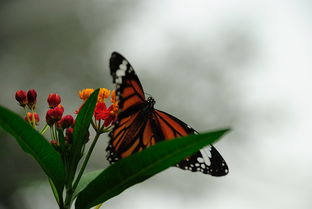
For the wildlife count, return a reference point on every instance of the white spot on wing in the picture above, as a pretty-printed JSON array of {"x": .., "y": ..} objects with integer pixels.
[
  {"x": 119, "y": 80},
  {"x": 121, "y": 72},
  {"x": 200, "y": 160},
  {"x": 206, "y": 154}
]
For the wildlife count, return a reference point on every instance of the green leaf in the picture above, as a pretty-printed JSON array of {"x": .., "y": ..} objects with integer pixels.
[
  {"x": 55, "y": 192},
  {"x": 86, "y": 179},
  {"x": 140, "y": 166},
  {"x": 35, "y": 144},
  {"x": 82, "y": 124},
  {"x": 61, "y": 139}
]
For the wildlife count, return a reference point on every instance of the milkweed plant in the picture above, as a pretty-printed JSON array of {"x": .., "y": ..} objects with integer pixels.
[{"x": 61, "y": 149}]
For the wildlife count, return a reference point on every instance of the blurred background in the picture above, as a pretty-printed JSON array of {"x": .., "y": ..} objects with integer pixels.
[{"x": 213, "y": 64}]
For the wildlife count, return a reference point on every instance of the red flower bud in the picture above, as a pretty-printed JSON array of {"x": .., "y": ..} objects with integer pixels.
[
  {"x": 73, "y": 125},
  {"x": 53, "y": 100},
  {"x": 50, "y": 121},
  {"x": 29, "y": 117},
  {"x": 61, "y": 107},
  {"x": 66, "y": 121},
  {"x": 54, "y": 143},
  {"x": 21, "y": 97},
  {"x": 31, "y": 98},
  {"x": 54, "y": 115},
  {"x": 69, "y": 135}
]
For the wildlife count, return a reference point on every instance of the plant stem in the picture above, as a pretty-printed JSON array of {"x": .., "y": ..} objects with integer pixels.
[
  {"x": 69, "y": 195},
  {"x": 86, "y": 160},
  {"x": 71, "y": 189},
  {"x": 52, "y": 133},
  {"x": 45, "y": 128},
  {"x": 98, "y": 206},
  {"x": 68, "y": 186},
  {"x": 93, "y": 125}
]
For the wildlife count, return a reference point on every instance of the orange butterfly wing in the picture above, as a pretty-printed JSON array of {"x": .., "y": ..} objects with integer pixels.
[
  {"x": 139, "y": 125},
  {"x": 127, "y": 83},
  {"x": 131, "y": 127},
  {"x": 207, "y": 160}
]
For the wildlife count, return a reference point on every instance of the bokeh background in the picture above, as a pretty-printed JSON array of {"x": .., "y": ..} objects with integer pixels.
[{"x": 239, "y": 63}]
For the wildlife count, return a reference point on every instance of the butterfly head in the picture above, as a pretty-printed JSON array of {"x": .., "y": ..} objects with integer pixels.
[{"x": 150, "y": 101}]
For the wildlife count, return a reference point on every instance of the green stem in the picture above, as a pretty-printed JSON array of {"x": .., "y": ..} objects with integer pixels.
[
  {"x": 71, "y": 189},
  {"x": 68, "y": 186},
  {"x": 52, "y": 133},
  {"x": 85, "y": 162},
  {"x": 93, "y": 125},
  {"x": 45, "y": 128},
  {"x": 55, "y": 134},
  {"x": 69, "y": 195}
]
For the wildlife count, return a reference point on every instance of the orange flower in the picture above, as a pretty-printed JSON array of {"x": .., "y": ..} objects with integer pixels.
[
  {"x": 103, "y": 94},
  {"x": 114, "y": 109},
  {"x": 85, "y": 93},
  {"x": 113, "y": 97}
]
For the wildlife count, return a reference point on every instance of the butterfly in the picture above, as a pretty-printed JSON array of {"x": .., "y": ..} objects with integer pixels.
[{"x": 139, "y": 125}]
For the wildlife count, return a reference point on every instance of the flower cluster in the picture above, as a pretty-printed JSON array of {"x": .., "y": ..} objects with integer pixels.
[
  {"x": 56, "y": 120},
  {"x": 104, "y": 116},
  {"x": 65, "y": 137},
  {"x": 28, "y": 101},
  {"x": 54, "y": 115}
]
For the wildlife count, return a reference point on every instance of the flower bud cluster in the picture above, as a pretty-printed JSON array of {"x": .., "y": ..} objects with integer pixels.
[
  {"x": 28, "y": 98},
  {"x": 54, "y": 116},
  {"x": 56, "y": 120},
  {"x": 28, "y": 101},
  {"x": 104, "y": 116}
]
